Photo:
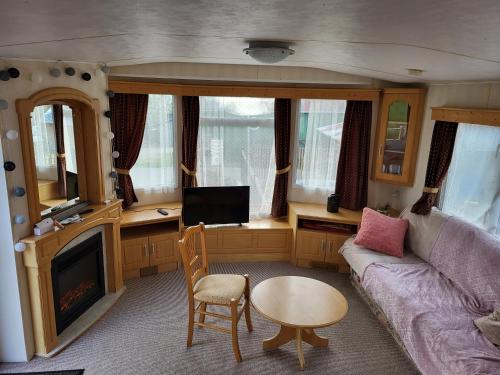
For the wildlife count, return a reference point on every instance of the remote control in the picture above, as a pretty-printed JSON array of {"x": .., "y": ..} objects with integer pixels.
[{"x": 162, "y": 211}]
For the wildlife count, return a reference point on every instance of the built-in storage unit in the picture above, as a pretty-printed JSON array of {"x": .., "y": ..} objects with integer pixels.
[
  {"x": 398, "y": 136},
  {"x": 320, "y": 234},
  {"x": 150, "y": 240},
  {"x": 259, "y": 240}
]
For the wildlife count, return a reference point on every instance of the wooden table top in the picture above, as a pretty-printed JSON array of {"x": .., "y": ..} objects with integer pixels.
[
  {"x": 296, "y": 301},
  {"x": 142, "y": 215}
]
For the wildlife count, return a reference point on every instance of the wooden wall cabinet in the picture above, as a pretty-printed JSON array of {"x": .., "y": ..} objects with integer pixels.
[{"x": 398, "y": 136}]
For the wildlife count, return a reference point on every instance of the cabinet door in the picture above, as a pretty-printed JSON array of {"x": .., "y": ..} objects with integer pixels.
[
  {"x": 398, "y": 134},
  {"x": 135, "y": 253},
  {"x": 163, "y": 248},
  {"x": 311, "y": 245},
  {"x": 334, "y": 243}
]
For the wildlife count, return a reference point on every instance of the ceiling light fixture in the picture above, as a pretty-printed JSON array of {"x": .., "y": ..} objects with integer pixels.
[
  {"x": 268, "y": 52},
  {"x": 415, "y": 72}
]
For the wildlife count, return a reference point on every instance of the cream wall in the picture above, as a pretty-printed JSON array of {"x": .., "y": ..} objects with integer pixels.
[
  {"x": 16, "y": 342},
  {"x": 465, "y": 95}
]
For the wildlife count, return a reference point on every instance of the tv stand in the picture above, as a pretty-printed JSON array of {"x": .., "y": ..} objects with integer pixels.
[{"x": 150, "y": 240}]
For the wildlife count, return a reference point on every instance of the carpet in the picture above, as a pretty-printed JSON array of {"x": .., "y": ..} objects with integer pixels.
[
  {"x": 64, "y": 372},
  {"x": 145, "y": 333}
]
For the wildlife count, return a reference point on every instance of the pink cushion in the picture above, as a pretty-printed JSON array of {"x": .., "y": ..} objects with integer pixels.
[{"x": 382, "y": 233}]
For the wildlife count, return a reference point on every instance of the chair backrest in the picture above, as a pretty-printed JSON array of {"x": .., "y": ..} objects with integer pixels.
[{"x": 195, "y": 265}]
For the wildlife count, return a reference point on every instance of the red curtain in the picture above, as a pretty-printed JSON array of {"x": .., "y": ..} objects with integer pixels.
[
  {"x": 57, "y": 112},
  {"x": 442, "y": 144},
  {"x": 282, "y": 125},
  {"x": 190, "y": 126},
  {"x": 128, "y": 120},
  {"x": 352, "y": 172}
]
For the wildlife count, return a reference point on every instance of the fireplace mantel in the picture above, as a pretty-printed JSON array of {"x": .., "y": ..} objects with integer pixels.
[{"x": 38, "y": 256}]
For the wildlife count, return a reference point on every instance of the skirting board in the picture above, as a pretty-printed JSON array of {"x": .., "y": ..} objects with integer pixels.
[{"x": 84, "y": 322}]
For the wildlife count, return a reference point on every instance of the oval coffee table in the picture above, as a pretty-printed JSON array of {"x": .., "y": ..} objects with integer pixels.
[{"x": 298, "y": 304}]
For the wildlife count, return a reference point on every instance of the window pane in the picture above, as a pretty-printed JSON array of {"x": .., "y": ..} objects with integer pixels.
[
  {"x": 318, "y": 143},
  {"x": 236, "y": 147},
  {"x": 156, "y": 165},
  {"x": 472, "y": 187}
]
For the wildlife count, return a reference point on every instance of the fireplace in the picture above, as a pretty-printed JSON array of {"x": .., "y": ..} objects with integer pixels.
[{"x": 77, "y": 280}]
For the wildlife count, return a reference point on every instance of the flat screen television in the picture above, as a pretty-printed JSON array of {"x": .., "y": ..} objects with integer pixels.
[{"x": 216, "y": 205}]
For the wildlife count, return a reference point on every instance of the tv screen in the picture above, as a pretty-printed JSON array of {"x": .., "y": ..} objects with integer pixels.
[{"x": 216, "y": 205}]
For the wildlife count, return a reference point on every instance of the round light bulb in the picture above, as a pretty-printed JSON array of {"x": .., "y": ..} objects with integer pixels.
[
  {"x": 19, "y": 219},
  {"x": 4, "y": 104},
  {"x": 115, "y": 154},
  {"x": 36, "y": 78},
  {"x": 12, "y": 134},
  {"x": 20, "y": 247},
  {"x": 54, "y": 72},
  {"x": 111, "y": 135}
]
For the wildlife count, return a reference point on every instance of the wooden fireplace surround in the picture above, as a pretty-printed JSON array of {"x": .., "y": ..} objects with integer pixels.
[
  {"x": 38, "y": 260},
  {"x": 40, "y": 250}
]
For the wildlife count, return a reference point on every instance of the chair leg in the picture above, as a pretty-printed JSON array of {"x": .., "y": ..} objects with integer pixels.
[
  {"x": 190, "y": 324},
  {"x": 203, "y": 308},
  {"x": 234, "y": 329},
  {"x": 248, "y": 319}
]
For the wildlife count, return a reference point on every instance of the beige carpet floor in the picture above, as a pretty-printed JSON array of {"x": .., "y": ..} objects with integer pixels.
[{"x": 145, "y": 333}]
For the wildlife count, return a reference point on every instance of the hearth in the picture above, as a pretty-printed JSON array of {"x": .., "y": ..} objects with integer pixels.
[{"x": 77, "y": 280}]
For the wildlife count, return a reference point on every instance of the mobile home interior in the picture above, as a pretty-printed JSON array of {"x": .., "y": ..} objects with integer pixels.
[{"x": 250, "y": 187}]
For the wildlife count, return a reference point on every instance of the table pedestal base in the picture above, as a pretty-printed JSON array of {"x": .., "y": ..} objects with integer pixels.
[{"x": 287, "y": 334}]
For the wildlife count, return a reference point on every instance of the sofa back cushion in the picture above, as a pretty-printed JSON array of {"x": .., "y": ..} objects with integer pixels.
[
  {"x": 423, "y": 231},
  {"x": 470, "y": 258},
  {"x": 382, "y": 233}
]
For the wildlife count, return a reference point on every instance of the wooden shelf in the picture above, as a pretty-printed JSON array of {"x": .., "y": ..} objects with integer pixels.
[{"x": 144, "y": 215}]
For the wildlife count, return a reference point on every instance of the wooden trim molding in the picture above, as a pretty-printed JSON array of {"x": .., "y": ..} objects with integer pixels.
[
  {"x": 87, "y": 139},
  {"x": 467, "y": 115},
  {"x": 127, "y": 87}
]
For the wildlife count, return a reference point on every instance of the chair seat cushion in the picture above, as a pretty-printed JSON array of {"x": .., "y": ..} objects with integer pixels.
[{"x": 219, "y": 288}]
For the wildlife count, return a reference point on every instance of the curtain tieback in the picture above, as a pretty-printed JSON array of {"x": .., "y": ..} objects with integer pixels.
[
  {"x": 187, "y": 171},
  {"x": 431, "y": 190},
  {"x": 60, "y": 156},
  {"x": 284, "y": 170},
  {"x": 125, "y": 172}
]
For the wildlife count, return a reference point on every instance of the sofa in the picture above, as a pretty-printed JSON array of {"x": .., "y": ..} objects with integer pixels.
[{"x": 449, "y": 276}]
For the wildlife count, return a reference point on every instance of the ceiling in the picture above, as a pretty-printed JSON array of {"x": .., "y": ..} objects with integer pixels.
[{"x": 450, "y": 40}]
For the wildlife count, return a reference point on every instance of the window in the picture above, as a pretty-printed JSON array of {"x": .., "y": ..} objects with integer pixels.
[
  {"x": 472, "y": 186},
  {"x": 317, "y": 146},
  {"x": 236, "y": 147},
  {"x": 156, "y": 166}
]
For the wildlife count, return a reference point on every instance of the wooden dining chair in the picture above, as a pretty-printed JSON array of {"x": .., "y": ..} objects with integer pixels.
[{"x": 216, "y": 289}]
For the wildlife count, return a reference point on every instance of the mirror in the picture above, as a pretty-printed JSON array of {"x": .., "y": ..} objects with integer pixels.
[
  {"x": 395, "y": 137},
  {"x": 55, "y": 155}
]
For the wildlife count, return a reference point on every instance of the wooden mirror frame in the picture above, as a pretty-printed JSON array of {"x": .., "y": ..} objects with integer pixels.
[{"x": 86, "y": 115}]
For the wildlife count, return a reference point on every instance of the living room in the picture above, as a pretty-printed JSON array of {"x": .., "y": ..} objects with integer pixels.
[{"x": 342, "y": 157}]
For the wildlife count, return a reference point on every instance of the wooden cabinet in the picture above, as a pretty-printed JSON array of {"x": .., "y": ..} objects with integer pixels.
[
  {"x": 320, "y": 246},
  {"x": 140, "y": 251},
  {"x": 320, "y": 234},
  {"x": 260, "y": 240},
  {"x": 398, "y": 136},
  {"x": 311, "y": 245}
]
